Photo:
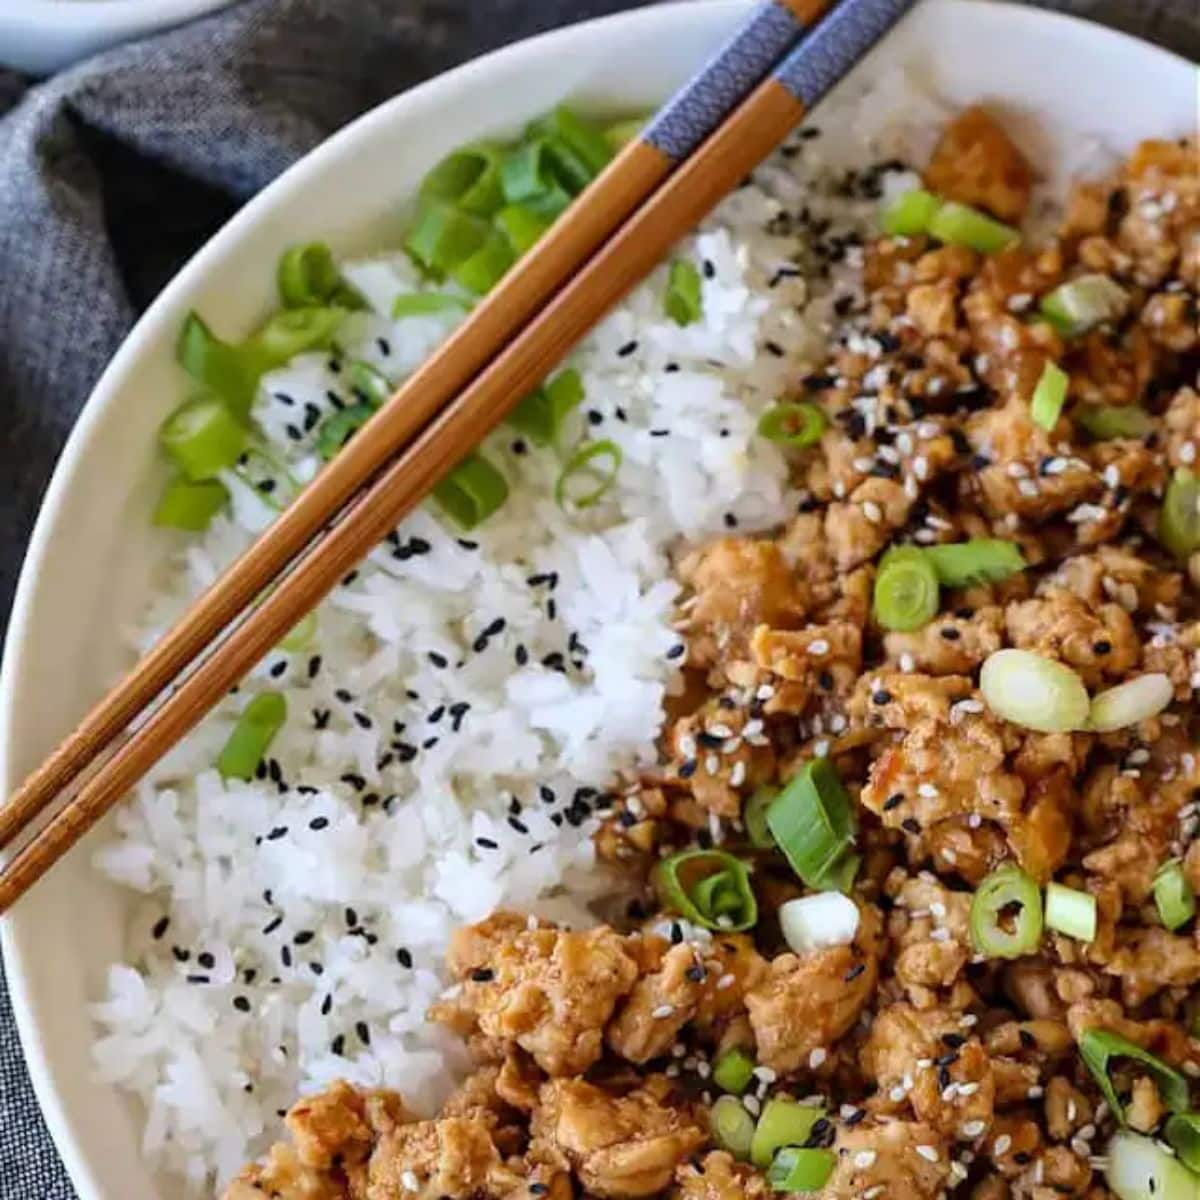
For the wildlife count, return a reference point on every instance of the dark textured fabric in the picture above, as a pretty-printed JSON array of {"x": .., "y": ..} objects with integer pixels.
[{"x": 111, "y": 175}]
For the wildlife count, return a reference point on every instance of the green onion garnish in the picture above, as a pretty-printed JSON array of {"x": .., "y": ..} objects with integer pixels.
[
  {"x": 580, "y": 469},
  {"x": 1006, "y": 914},
  {"x": 1140, "y": 1168},
  {"x": 1105, "y": 421},
  {"x": 1034, "y": 691},
  {"x": 975, "y": 562},
  {"x": 370, "y": 385},
  {"x": 307, "y": 277},
  {"x": 471, "y": 492},
  {"x": 468, "y": 178},
  {"x": 754, "y": 818},
  {"x": 906, "y": 589},
  {"x": 733, "y": 1071},
  {"x": 1049, "y": 396},
  {"x": 202, "y": 437},
  {"x": 909, "y": 214},
  {"x": 427, "y": 304},
  {"x": 530, "y": 178},
  {"x": 522, "y": 226},
  {"x": 1071, "y": 911},
  {"x": 1179, "y": 518},
  {"x": 812, "y": 822},
  {"x": 683, "y": 302},
  {"x": 732, "y": 1126},
  {"x": 256, "y": 728},
  {"x": 1183, "y": 1136},
  {"x": 339, "y": 427},
  {"x": 188, "y": 505},
  {"x": 789, "y": 423},
  {"x": 541, "y": 414},
  {"x": 222, "y": 368},
  {"x": 1098, "y": 1047},
  {"x": 961, "y": 225},
  {"x": 292, "y": 332},
  {"x": 800, "y": 1169},
  {"x": 301, "y": 635},
  {"x": 586, "y": 141},
  {"x": 442, "y": 237},
  {"x": 709, "y": 888},
  {"x": 1131, "y": 702},
  {"x": 783, "y": 1122},
  {"x": 481, "y": 271},
  {"x": 1080, "y": 304},
  {"x": 1173, "y": 895}
]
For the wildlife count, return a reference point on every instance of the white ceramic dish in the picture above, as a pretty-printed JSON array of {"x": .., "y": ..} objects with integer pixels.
[
  {"x": 92, "y": 551},
  {"x": 40, "y": 36}
]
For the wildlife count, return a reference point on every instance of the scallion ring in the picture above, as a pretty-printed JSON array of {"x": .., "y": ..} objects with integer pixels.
[
  {"x": 1107, "y": 421},
  {"x": 541, "y": 414},
  {"x": 588, "y": 474},
  {"x": 961, "y": 225},
  {"x": 1006, "y": 914},
  {"x": 190, "y": 506},
  {"x": 1179, "y": 517},
  {"x": 220, "y": 367},
  {"x": 428, "y": 304},
  {"x": 793, "y": 423},
  {"x": 339, "y": 427},
  {"x": 442, "y": 236},
  {"x": 976, "y": 561},
  {"x": 683, "y": 302},
  {"x": 1049, "y": 395},
  {"x": 709, "y": 888},
  {"x": 782, "y": 1122},
  {"x": 754, "y": 818},
  {"x": 733, "y": 1070},
  {"x": 909, "y": 214},
  {"x": 522, "y": 226},
  {"x": 252, "y": 734},
  {"x": 307, "y": 277},
  {"x": 471, "y": 492},
  {"x": 1098, "y": 1047},
  {"x": 481, "y": 271},
  {"x": 1071, "y": 911},
  {"x": 1131, "y": 702},
  {"x": 800, "y": 1169},
  {"x": 291, "y": 332},
  {"x": 732, "y": 1126},
  {"x": 468, "y": 178},
  {"x": 812, "y": 822},
  {"x": 202, "y": 437},
  {"x": 1082, "y": 303},
  {"x": 1173, "y": 895},
  {"x": 1036, "y": 692},
  {"x": 1140, "y": 1168},
  {"x": 369, "y": 385},
  {"x": 1183, "y": 1136},
  {"x": 906, "y": 595}
]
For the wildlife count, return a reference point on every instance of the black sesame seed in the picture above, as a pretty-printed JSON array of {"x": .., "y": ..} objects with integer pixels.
[
  {"x": 855, "y": 971},
  {"x": 364, "y": 1034},
  {"x": 197, "y": 978},
  {"x": 1102, "y": 647},
  {"x": 241, "y": 1004},
  {"x": 627, "y": 349},
  {"x": 338, "y": 1045},
  {"x": 486, "y": 843},
  {"x": 206, "y": 960},
  {"x": 910, "y": 825},
  {"x": 404, "y": 957},
  {"x": 881, "y": 697},
  {"x": 677, "y": 650},
  {"x": 438, "y": 660},
  {"x": 482, "y": 975},
  {"x": 286, "y": 955},
  {"x": 955, "y": 1040},
  {"x": 181, "y": 955},
  {"x": 160, "y": 927},
  {"x": 893, "y": 801},
  {"x": 950, "y": 633},
  {"x": 273, "y": 925}
]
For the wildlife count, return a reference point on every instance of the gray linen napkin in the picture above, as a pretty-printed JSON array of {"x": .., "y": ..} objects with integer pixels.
[{"x": 114, "y": 172}]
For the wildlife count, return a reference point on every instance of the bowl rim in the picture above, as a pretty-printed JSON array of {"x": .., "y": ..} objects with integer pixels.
[
  {"x": 106, "y": 393},
  {"x": 105, "y": 16}
]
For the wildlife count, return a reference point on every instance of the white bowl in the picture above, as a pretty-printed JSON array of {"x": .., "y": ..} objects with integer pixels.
[
  {"x": 40, "y": 36},
  {"x": 93, "y": 546}
]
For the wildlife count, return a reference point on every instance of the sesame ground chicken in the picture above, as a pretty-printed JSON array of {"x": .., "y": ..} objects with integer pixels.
[{"x": 904, "y": 910}]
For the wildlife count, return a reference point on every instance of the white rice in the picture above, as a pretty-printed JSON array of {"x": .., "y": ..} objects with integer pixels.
[{"x": 359, "y": 864}]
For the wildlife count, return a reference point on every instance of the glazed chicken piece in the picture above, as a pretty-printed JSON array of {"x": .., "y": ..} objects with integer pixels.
[
  {"x": 717, "y": 1176},
  {"x": 618, "y": 1146},
  {"x": 906, "y": 1158},
  {"x": 333, "y": 1125},
  {"x": 428, "y": 1160},
  {"x": 550, "y": 991},
  {"x": 929, "y": 928},
  {"x": 1099, "y": 643},
  {"x": 1112, "y": 573},
  {"x": 664, "y": 999},
  {"x": 974, "y": 634},
  {"x": 284, "y": 1177},
  {"x": 977, "y": 163}
]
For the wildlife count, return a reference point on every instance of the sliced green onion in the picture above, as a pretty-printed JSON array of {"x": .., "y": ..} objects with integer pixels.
[
  {"x": 1098, "y": 1047},
  {"x": 1139, "y": 1168},
  {"x": 427, "y": 304},
  {"x": 800, "y": 1169},
  {"x": 1080, "y": 304},
  {"x": 790, "y": 423},
  {"x": 468, "y": 178},
  {"x": 1049, "y": 396},
  {"x": 569, "y": 488},
  {"x": 812, "y": 821},
  {"x": 471, "y": 492},
  {"x": 783, "y": 1122},
  {"x": 1179, "y": 518},
  {"x": 370, "y": 385},
  {"x": 1006, "y": 914},
  {"x": 1173, "y": 895},
  {"x": 222, "y": 368},
  {"x": 683, "y": 303},
  {"x": 709, "y": 888},
  {"x": 541, "y": 414},
  {"x": 732, "y": 1126},
  {"x": 256, "y": 728},
  {"x": 294, "y": 331},
  {"x": 442, "y": 237},
  {"x": 307, "y": 276},
  {"x": 1105, "y": 421},
  {"x": 907, "y": 595},
  {"x": 339, "y": 427},
  {"x": 1130, "y": 702},
  {"x": 975, "y": 562},
  {"x": 909, "y": 214},
  {"x": 840, "y": 877},
  {"x": 202, "y": 437},
  {"x": 522, "y": 225},
  {"x": 754, "y": 818},
  {"x": 585, "y": 140},
  {"x": 530, "y": 178},
  {"x": 481, "y": 271},
  {"x": 1183, "y": 1136},
  {"x": 961, "y": 225},
  {"x": 621, "y": 133},
  {"x": 1034, "y": 691},
  {"x": 819, "y": 921},
  {"x": 188, "y": 505},
  {"x": 733, "y": 1071},
  {"x": 301, "y": 635},
  {"x": 1071, "y": 911}
]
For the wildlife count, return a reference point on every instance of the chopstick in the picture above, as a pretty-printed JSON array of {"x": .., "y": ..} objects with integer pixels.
[
  {"x": 739, "y": 144},
  {"x": 683, "y": 122}
]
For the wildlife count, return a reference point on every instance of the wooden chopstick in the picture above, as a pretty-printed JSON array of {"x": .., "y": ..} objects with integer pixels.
[
  {"x": 754, "y": 129},
  {"x": 683, "y": 122}
]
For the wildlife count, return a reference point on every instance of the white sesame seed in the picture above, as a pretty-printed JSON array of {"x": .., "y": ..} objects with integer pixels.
[
  {"x": 939, "y": 935},
  {"x": 927, "y": 790},
  {"x": 872, "y": 512},
  {"x": 1035, "y": 1093},
  {"x": 662, "y": 1011},
  {"x": 410, "y": 1181},
  {"x": 738, "y": 775},
  {"x": 712, "y": 764},
  {"x": 864, "y": 1159},
  {"x": 1003, "y": 1144},
  {"x": 907, "y": 663},
  {"x": 817, "y": 1057},
  {"x": 818, "y": 647},
  {"x": 968, "y": 1020},
  {"x": 928, "y": 1153},
  {"x": 1187, "y": 453},
  {"x": 897, "y": 1094},
  {"x": 751, "y": 1105},
  {"x": 1016, "y": 470},
  {"x": 766, "y": 1074},
  {"x": 972, "y": 1129},
  {"x": 968, "y": 1089},
  {"x": 921, "y": 467},
  {"x": 726, "y": 981}
]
